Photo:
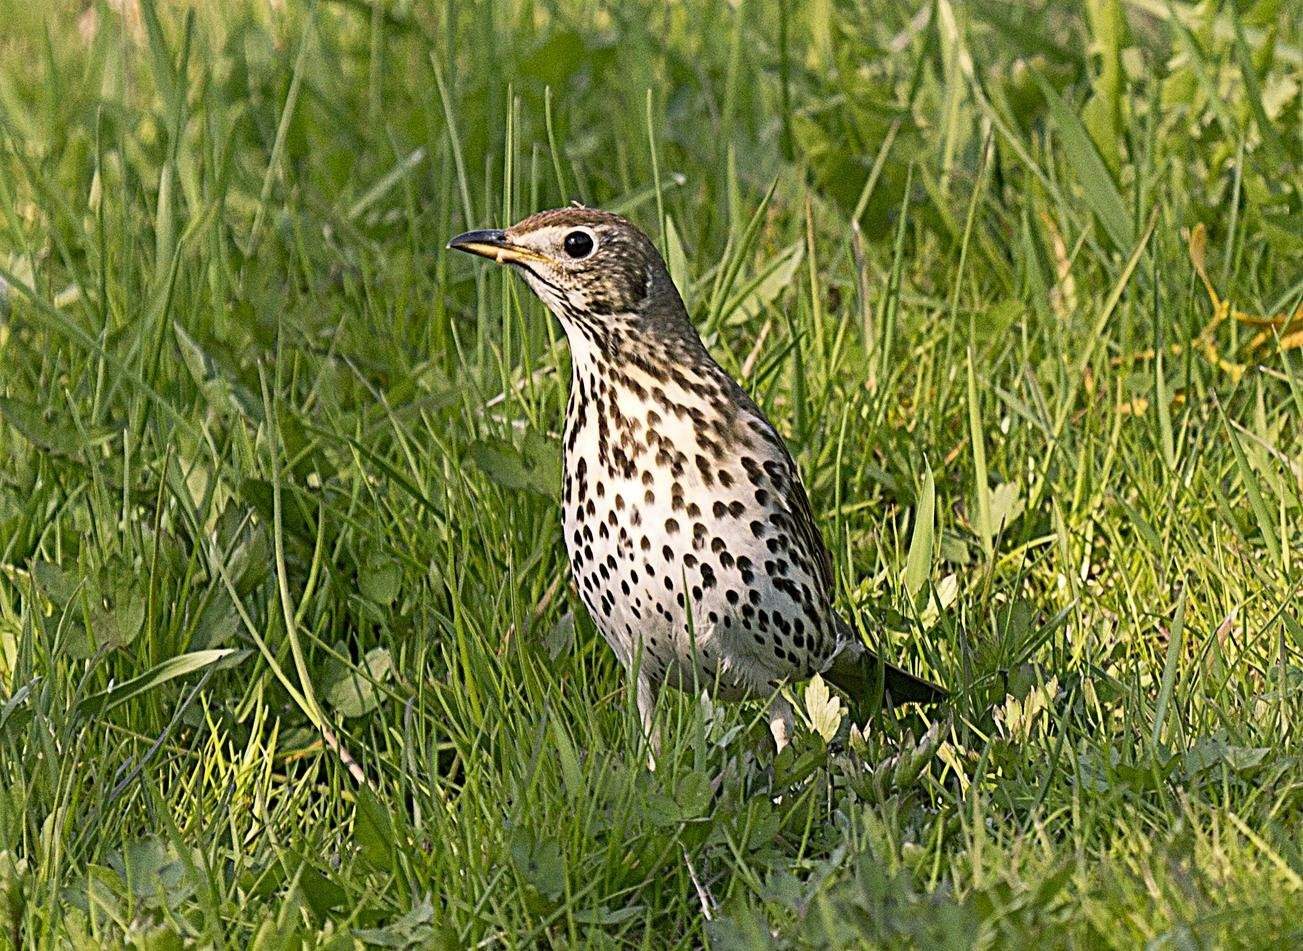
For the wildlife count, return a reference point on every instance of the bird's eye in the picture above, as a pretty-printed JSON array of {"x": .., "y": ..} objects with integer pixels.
[{"x": 578, "y": 244}]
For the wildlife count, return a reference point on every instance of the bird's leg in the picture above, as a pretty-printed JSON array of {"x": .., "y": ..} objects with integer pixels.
[
  {"x": 647, "y": 693},
  {"x": 782, "y": 721}
]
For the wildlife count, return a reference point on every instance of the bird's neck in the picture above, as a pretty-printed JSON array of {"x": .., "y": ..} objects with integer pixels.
[
  {"x": 625, "y": 354},
  {"x": 647, "y": 397}
]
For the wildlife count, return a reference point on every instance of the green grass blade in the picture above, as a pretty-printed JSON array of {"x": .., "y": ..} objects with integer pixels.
[
  {"x": 918, "y": 563},
  {"x": 1102, "y": 195},
  {"x": 1175, "y": 638}
]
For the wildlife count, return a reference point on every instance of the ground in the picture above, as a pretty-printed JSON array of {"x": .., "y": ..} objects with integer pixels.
[{"x": 287, "y": 650}]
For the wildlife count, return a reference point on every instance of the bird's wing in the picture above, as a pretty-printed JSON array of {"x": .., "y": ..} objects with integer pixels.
[
  {"x": 807, "y": 529},
  {"x": 794, "y": 499}
]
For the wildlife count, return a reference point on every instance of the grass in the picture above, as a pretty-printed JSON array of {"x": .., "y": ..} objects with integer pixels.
[{"x": 286, "y": 658}]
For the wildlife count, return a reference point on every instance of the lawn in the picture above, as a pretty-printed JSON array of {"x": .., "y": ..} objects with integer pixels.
[{"x": 288, "y": 654}]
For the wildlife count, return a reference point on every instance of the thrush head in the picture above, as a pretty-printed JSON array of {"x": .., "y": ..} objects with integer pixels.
[{"x": 595, "y": 270}]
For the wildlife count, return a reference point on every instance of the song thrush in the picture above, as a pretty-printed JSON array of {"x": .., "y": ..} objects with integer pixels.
[{"x": 689, "y": 532}]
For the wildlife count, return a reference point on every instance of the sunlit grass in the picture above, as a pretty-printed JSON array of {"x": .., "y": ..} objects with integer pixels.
[{"x": 286, "y": 649}]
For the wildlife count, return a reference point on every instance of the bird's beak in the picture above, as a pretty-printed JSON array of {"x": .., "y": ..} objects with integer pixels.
[{"x": 493, "y": 243}]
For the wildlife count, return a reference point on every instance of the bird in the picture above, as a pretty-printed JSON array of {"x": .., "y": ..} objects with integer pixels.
[{"x": 688, "y": 530}]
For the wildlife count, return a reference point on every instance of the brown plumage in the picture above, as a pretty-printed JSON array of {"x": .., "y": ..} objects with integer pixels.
[{"x": 689, "y": 532}]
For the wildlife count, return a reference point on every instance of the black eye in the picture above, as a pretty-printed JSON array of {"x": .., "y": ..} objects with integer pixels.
[{"x": 578, "y": 244}]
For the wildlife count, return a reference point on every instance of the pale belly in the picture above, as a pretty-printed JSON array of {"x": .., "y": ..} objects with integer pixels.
[{"x": 695, "y": 588}]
